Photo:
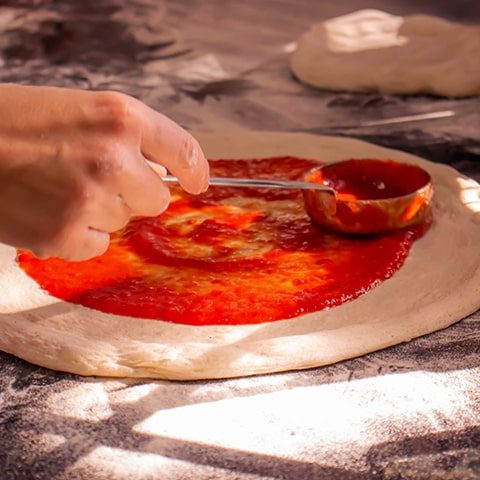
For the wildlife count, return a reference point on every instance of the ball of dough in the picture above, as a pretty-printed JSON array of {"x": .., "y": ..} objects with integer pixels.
[{"x": 371, "y": 50}]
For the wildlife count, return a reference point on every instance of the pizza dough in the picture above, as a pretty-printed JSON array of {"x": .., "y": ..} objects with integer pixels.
[
  {"x": 438, "y": 285},
  {"x": 371, "y": 50}
]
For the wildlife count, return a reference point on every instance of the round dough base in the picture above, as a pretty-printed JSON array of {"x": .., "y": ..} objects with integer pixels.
[{"x": 438, "y": 285}]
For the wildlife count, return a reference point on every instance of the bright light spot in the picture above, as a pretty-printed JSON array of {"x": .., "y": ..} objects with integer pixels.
[
  {"x": 364, "y": 30},
  {"x": 330, "y": 415},
  {"x": 133, "y": 393},
  {"x": 469, "y": 193},
  {"x": 88, "y": 401},
  {"x": 122, "y": 464},
  {"x": 51, "y": 441},
  {"x": 290, "y": 47}
]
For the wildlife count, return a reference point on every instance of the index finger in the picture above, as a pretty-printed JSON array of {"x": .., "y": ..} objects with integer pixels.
[{"x": 166, "y": 143}]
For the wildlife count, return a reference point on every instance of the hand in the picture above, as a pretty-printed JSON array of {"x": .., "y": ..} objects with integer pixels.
[{"x": 73, "y": 167}]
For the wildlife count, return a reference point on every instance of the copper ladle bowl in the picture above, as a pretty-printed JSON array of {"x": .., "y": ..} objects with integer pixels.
[{"x": 400, "y": 195}]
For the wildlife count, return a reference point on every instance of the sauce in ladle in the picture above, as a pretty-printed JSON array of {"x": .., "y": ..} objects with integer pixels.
[{"x": 371, "y": 196}]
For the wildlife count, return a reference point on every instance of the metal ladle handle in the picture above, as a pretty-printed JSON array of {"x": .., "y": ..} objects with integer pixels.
[{"x": 252, "y": 183}]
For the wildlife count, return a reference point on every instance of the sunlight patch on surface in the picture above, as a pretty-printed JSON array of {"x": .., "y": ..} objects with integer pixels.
[
  {"x": 121, "y": 463},
  {"x": 333, "y": 414},
  {"x": 52, "y": 440},
  {"x": 88, "y": 401},
  {"x": 134, "y": 393},
  {"x": 469, "y": 193}
]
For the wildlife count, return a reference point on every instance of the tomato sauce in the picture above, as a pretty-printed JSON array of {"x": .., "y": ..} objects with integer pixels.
[
  {"x": 230, "y": 256},
  {"x": 372, "y": 179}
]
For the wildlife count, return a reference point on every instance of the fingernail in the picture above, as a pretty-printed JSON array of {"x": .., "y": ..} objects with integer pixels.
[{"x": 192, "y": 157}]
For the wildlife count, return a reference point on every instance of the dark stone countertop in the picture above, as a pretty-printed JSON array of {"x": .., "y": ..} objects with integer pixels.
[{"x": 408, "y": 412}]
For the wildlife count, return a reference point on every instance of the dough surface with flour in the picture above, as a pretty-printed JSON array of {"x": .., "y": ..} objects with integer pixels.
[
  {"x": 438, "y": 284},
  {"x": 370, "y": 50}
]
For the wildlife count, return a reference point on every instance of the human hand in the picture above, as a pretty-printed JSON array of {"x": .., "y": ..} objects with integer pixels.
[{"x": 75, "y": 165}]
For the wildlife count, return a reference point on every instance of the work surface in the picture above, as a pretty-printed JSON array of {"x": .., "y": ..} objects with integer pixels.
[{"x": 409, "y": 412}]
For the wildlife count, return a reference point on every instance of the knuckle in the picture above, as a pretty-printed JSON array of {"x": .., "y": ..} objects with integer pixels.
[
  {"x": 107, "y": 161},
  {"x": 114, "y": 110}
]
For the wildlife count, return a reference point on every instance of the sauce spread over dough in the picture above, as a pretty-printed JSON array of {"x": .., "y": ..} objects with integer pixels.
[{"x": 229, "y": 256}]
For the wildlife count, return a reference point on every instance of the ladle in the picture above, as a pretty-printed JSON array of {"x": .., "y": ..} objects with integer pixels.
[{"x": 355, "y": 196}]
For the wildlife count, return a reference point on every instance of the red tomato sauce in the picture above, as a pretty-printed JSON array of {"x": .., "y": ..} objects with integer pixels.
[
  {"x": 230, "y": 256},
  {"x": 372, "y": 179}
]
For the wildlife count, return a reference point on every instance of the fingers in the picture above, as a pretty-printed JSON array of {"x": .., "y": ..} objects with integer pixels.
[
  {"x": 88, "y": 243},
  {"x": 109, "y": 214},
  {"x": 112, "y": 201},
  {"x": 142, "y": 188},
  {"x": 120, "y": 170},
  {"x": 77, "y": 245},
  {"x": 86, "y": 174},
  {"x": 166, "y": 143}
]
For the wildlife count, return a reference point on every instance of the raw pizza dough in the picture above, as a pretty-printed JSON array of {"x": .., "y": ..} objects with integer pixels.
[
  {"x": 373, "y": 50},
  {"x": 438, "y": 285}
]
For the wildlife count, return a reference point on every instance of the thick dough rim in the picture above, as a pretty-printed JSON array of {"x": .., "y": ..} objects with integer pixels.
[{"x": 438, "y": 285}]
